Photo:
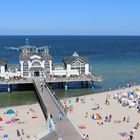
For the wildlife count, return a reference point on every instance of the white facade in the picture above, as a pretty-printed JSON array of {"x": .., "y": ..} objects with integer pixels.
[
  {"x": 34, "y": 63},
  {"x": 40, "y": 64},
  {"x": 65, "y": 72},
  {"x": 76, "y": 62},
  {"x": 35, "y": 67},
  {"x": 2, "y": 70},
  {"x": 87, "y": 69}
]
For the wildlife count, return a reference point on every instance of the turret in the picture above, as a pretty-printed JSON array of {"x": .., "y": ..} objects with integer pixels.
[{"x": 46, "y": 50}]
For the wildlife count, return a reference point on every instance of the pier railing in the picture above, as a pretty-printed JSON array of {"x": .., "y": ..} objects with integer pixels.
[
  {"x": 57, "y": 99},
  {"x": 90, "y": 77}
]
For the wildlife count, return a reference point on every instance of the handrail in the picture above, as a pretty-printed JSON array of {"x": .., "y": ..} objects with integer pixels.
[
  {"x": 54, "y": 95},
  {"x": 75, "y": 125},
  {"x": 40, "y": 135}
]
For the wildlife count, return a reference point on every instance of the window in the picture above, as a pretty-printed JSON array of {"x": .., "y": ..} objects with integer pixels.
[
  {"x": 78, "y": 65},
  {"x": 25, "y": 69},
  {"x": 12, "y": 69},
  {"x": 36, "y": 63},
  {"x": 47, "y": 66}
]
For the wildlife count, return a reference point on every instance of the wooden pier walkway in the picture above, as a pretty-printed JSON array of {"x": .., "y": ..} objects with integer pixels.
[{"x": 63, "y": 128}]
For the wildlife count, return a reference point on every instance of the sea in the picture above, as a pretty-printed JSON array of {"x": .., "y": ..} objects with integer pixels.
[{"x": 115, "y": 58}]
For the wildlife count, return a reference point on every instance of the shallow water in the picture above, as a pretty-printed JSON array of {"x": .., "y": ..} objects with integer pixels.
[{"x": 17, "y": 98}]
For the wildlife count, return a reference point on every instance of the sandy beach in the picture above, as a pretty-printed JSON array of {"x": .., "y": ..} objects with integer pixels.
[
  {"x": 28, "y": 119},
  {"x": 117, "y": 129}
]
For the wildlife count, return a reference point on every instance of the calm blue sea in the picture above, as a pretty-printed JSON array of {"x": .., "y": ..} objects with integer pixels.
[{"x": 116, "y": 58}]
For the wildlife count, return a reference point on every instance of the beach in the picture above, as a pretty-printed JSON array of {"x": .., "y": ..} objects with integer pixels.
[
  {"x": 27, "y": 119},
  {"x": 118, "y": 128}
]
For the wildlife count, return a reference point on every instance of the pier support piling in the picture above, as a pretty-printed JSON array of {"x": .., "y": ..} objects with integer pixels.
[
  {"x": 82, "y": 84},
  {"x": 66, "y": 86},
  {"x": 9, "y": 88},
  {"x": 92, "y": 85},
  {"x": 86, "y": 84},
  {"x": 62, "y": 85}
]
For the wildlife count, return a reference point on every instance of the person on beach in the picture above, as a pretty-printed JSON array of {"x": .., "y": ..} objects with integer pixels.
[
  {"x": 106, "y": 118},
  {"x": 77, "y": 99},
  {"x": 18, "y": 133},
  {"x": 124, "y": 118},
  {"x": 22, "y": 131},
  {"x": 93, "y": 116},
  {"x": 86, "y": 115},
  {"x": 1, "y": 128},
  {"x": 84, "y": 137},
  {"x": 30, "y": 108},
  {"x": 128, "y": 119},
  {"x": 110, "y": 118},
  {"x": 137, "y": 125},
  {"x": 87, "y": 137},
  {"x": 107, "y": 102},
  {"x": 100, "y": 123},
  {"x": 131, "y": 137}
]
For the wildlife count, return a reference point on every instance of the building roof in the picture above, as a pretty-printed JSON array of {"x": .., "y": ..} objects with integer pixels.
[
  {"x": 17, "y": 66},
  {"x": 75, "y": 56},
  {"x": 26, "y": 57},
  {"x": 46, "y": 56}
]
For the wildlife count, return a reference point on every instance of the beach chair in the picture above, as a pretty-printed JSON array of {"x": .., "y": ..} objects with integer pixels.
[{"x": 5, "y": 136}]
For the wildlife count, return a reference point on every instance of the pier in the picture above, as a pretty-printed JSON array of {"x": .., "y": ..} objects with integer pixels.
[
  {"x": 64, "y": 128},
  {"x": 55, "y": 79}
]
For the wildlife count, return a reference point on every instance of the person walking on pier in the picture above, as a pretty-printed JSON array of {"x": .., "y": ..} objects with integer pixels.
[
  {"x": 60, "y": 116},
  {"x": 41, "y": 87}
]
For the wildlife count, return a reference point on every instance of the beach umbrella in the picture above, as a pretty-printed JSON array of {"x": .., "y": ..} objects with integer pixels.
[
  {"x": 131, "y": 96},
  {"x": 69, "y": 103},
  {"x": 97, "y": 117},
  {"x": 1, "y": 119},
  {"x": 129, "y": 93},
  {"x": 10, "y": 111},
  {"x": 138, "y": 94},
  {"x": 132, "y": 104},
  {"x": 125, "y": 94}
]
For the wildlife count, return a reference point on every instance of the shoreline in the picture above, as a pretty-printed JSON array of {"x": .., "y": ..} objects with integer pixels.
[{"x": 94, "y": 93}]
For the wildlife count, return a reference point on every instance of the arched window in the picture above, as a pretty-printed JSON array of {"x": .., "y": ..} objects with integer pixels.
[
  {"x": 78, "y": 63},
  {"x": 12, "y": 69},
  {"x": 36, "y": 63},
  {"x": 25, "y": 68}
]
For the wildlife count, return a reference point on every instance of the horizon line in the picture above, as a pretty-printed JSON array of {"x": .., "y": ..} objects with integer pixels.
[{"x": 63, "y": 35}]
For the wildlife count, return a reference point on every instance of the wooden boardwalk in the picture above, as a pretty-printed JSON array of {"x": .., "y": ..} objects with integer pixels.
[{"x": 63, "y": 128}]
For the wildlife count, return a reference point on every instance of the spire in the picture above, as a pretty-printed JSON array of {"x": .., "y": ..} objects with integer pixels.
[
  {"x": 75, "y": 54},
  {"x": 46, "y": 50},
  {"x": 27, "y": 42}
]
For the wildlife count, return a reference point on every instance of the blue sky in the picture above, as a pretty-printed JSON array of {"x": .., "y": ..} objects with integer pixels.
[{"x": 70, "y": 17}]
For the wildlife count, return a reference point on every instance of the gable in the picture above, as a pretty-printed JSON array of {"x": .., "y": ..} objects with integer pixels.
[
  {"x": 35, "y": 57},
  {"x": 77, "y": 60}
]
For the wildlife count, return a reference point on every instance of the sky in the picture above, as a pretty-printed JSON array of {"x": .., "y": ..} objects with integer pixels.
[{"x": 69, "y": 17}]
